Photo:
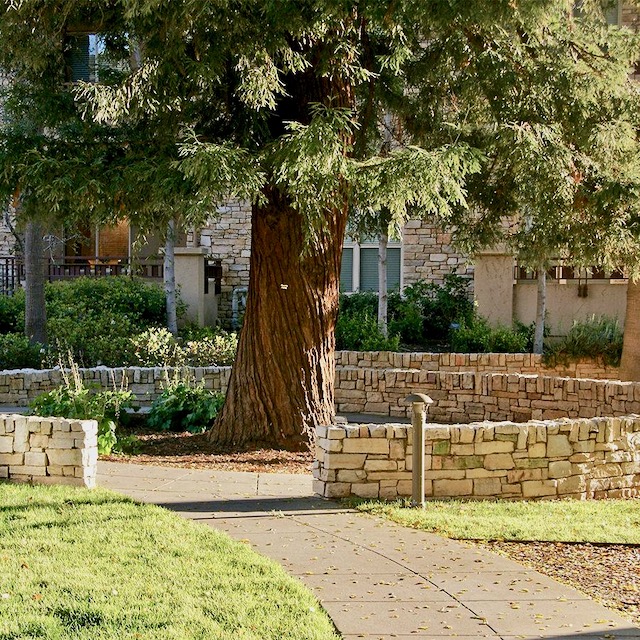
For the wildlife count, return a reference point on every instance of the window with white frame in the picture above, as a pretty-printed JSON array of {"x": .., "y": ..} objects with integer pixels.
[{"x": 359, "y": 271}]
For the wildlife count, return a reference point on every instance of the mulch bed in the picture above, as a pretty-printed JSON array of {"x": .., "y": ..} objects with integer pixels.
[{"x": 606, "y": 572}]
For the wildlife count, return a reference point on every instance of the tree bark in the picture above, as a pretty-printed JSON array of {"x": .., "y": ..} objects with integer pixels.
[
  {"x": 169, "y": 264},
  {"x": 382, "y": 283},
  {"x": 541, "y": 310},
  {"x": 282, "y": 382},
  {"x": 630, "y": 362},
  {"x": 35, "y": 315}
]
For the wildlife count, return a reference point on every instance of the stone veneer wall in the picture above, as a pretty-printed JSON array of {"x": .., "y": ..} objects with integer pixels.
[
  {"x": 481, "y": 362},
  {"x": 428, "y": 254},
  {"x": 48, "y": 450},
  {"x": 228, "y": 237},
  {"x": 592, "y": 458},
  {"x": 470, "y": 396}
]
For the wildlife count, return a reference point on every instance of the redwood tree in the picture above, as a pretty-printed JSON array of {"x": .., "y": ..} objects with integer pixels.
[{"x": 284, "y": 104}]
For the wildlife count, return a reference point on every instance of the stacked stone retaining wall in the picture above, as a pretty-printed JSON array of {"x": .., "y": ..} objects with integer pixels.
[
  {"x": 48, "y": 450},
  {"x": 478, "y": 362},
  {"x": 570, "y": 458},
  {"x": 470, "y": 397}
]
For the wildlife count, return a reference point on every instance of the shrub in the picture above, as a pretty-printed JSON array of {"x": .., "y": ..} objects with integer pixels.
[
  {"x": 11, "y": 313},
  {"x": 360, "y": 332},
  {"x": 17, "y": 353},
  {"x": 184, "y": 405},
  {"x": 599, "y": 338},
  {"x": 94, "y": 318},
  {"x": 74, "y": 400},
  {"x": 156, "y": 347},
  {"x": 476, "y": 336}
]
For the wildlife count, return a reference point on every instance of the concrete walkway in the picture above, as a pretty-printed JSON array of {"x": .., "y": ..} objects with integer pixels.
[{"x": 375, "y": 579}]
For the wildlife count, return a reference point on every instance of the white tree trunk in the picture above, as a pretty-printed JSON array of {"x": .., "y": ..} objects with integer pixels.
[
  {"x": 382, "y": 283},
  {"x": 170, "y": 278},
  {"x": 541, "y": 310}
]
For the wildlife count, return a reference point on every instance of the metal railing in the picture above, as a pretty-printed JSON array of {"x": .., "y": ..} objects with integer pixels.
[{"x": 69, "y": 267}]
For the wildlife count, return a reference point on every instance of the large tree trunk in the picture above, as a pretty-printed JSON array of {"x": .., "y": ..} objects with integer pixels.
[
  {"x": 35, "y": 316},
  {"x": 282, "y": 382},
  {"x": 630, "y": 363}
]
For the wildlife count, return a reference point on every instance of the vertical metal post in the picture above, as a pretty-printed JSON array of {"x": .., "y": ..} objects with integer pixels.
[
  {"x": 419, "y": 401},
  {"x": 418, "y": 423}
]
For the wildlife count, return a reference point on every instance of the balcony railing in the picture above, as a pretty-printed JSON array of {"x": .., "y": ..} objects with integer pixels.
[{"x": 12, "y": 269}]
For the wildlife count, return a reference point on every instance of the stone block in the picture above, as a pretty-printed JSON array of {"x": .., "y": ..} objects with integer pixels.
[
  {"x": 404, "y": 487},
  {"x": 4, "y": 472},
  {"x": 496, "y": 446},
  {"x": 23, "y": 470},
  {"x": 558, "y": 446},
  {"x": 6, "y": 444},
  {"x": 329, "y": 445},
  {"x": 499, "y": 461},
  {"x": 11, "y": 458},
  {"x": 441, "y": 448},
  {"x": 462, "y": 462},
  {"x": 538, "y": 450},
  {"x": 38, "y": 441},
  {"x": 321, "y": 431},
  {"x": 65, "y": 457},
  {"x": 539, "y": 488},
  {"x": 452, "y": 488},
  {"x": 337, "y": 490},
  {"x": 33, "y": 459},
  {"x": 345, "y": 461},
  {"x": 487, "y": 487},
  {"x": 388, "y": 493},
  {"x": 366, "y": 445},
  {"x": 336, "y": 433},
  {"x": 397, "y": 449},
  {"x": 62, "y": 441},
  {"x": 561, "y": 469},
  {"x": 380, "y": 465},
  {"x": 367, "y": 490},
  {"x": 532, "y": 463},
  {"x": 350, "y": 475}
]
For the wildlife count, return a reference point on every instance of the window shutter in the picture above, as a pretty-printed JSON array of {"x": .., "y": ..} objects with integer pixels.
[
  {"x": 346, "y": 270},
  {"x": 78, "y": 58},
  {"x": 369, "y": 269}
]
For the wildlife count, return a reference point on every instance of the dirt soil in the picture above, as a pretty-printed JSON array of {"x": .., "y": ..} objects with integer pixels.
[{"x": 607, "y": 573}]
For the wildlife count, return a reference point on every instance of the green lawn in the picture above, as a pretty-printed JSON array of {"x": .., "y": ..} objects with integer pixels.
[
  {"x": 92, "y": 564},
  {"x": 612, "y": 521}
]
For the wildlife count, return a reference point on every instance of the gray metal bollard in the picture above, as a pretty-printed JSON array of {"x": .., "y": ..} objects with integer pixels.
[{"x": 419, "y": 402}]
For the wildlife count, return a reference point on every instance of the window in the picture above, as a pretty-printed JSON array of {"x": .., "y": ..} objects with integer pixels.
[
  {"x": 612, "y": 10},
  {"x": 359, "y": 270},
  {"x": 82, "y": 55}
]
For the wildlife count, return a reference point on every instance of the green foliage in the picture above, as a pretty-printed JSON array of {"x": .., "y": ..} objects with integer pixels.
[
  {"x": 11, "y": 313},
  {"x": 157, "y": 347},
  {"x": 184, "y": 406},
  {"x": 477, "y": 336},
  {"x": 425, "y": 312},
  {"x": 17, "y": 353},
  {"x": 599, "y": 338},
  {"x": 73, "y": 399},
  {"x": 357, "y": 326},
  {"x": 94, "y": 318}
]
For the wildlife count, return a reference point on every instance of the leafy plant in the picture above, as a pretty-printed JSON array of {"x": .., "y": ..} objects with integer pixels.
[
  {"x": 184, "y": 406},
  {"x": 11, "y": 313},
  {"x": 17, "y": 353},
  {"x": 359, "y": 331},
  {"x": 73, "y": 399},
  {"x": 157, "y": 347},
  {"x": 599, "y": 337},
  {"x": 477, "y": 336}
]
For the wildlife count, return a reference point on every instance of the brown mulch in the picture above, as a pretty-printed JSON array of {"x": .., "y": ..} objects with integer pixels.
[
  {"x": 194, "y": 451},
  {"x": 609, "y": 573}
]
